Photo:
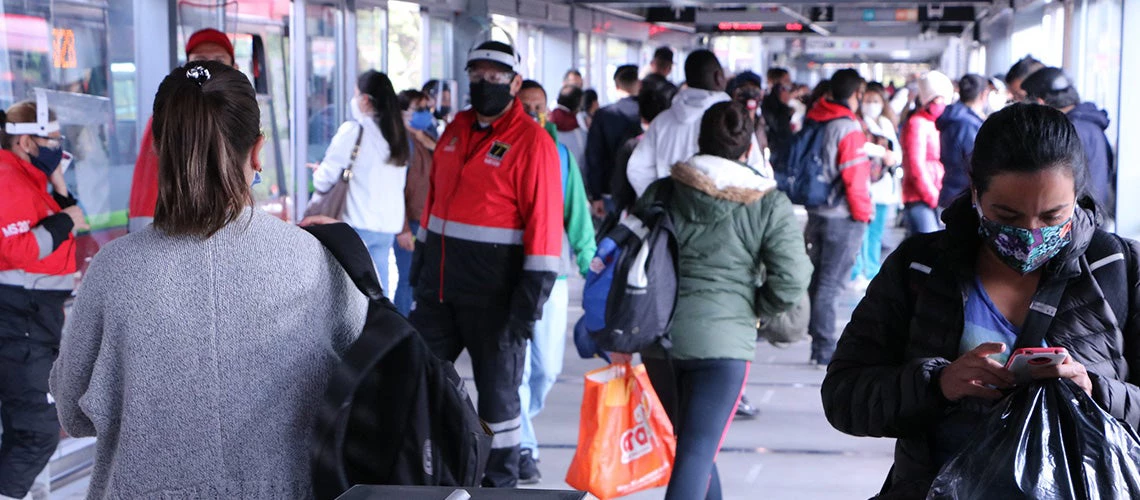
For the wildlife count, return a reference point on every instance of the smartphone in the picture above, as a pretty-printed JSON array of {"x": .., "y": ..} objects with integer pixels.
[
  {"x": 1026, "y": 358},
  {"x": 65, "y": 162}
]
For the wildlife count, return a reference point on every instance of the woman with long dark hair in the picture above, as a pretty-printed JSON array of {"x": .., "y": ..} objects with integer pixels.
[
  {"x": 923, "y": 358},
  {"x": 198, "y": 348},
  {"x": 374, "y": 144}
]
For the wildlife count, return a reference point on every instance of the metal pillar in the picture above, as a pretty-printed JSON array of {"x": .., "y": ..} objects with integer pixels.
[
  {"x": 1128, "y": 152},
  {"x": 298, "y": 102},
  {"x": 156, "y": 30}
]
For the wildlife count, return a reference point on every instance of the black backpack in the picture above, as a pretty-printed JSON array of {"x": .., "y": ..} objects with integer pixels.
[
  {"x": 629, "y": 303},
  {"x": 803, "y": 175},
  {"x": 393, "y": 413}
]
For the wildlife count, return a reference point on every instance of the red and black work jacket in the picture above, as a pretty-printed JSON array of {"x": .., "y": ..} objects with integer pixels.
[
  {"x": 492, "y": 232},
  {"x": 37, "y": 254}
]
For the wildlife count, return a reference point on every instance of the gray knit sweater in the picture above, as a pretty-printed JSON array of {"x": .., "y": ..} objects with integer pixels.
[{"x": 200, "y": 364}]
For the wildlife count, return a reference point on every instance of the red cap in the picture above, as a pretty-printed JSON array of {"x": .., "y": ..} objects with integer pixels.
[{"x": 209, "y": 35}]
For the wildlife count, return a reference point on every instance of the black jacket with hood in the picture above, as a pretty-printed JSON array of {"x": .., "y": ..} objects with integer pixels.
[
  {"x": 884, "y": 378},
  {"x": 1091, "y": 122}
]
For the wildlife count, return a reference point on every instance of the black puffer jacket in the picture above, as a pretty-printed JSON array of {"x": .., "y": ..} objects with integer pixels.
[{"x": 883, "y": 378}]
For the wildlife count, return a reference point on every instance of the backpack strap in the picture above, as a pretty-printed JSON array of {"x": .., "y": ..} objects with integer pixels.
[
  {"x": 345, "y": 245},
  {"x": 1108, "y": 259}
]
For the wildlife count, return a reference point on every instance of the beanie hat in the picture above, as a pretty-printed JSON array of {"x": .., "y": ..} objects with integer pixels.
[
  {"x": 209, "y": 35},
  {"x": 935, "y": 84},
  {"x": 745, "y": 77}
]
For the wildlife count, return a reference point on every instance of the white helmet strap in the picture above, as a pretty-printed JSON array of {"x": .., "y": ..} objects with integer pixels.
[{"x": 42, "y": 126}]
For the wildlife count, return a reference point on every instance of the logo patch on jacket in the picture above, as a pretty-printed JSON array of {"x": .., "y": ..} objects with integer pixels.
[{"x": 496, "y": 153}]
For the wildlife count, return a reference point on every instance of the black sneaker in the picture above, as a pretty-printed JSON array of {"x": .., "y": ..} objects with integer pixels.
[
  {"x": 745, "y": 410},
  {"x": 528, "y": 468}
]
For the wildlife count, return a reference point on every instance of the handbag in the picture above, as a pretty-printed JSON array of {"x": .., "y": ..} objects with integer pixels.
[{"x": 331, "y": 203}]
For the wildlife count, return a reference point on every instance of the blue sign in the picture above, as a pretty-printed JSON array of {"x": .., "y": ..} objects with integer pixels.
[{"x": 868, "y": 15}]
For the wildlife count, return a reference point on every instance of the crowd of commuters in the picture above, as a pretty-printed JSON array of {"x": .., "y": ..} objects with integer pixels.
[{"x": 487, "y": 211}]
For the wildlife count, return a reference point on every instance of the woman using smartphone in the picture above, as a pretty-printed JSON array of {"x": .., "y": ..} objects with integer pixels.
[{"x": 923, "y": 357}]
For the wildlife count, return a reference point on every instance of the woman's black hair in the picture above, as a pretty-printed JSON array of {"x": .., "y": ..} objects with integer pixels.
[
  {"x": 726, "y": 131},
  {"x": 1027, "y": 138},
  {"x": 655, "y": 97},
  {"x": 206, "y": 122},
  {"x": 589, "y": 98},
  {"x": 386, "y": 111}
]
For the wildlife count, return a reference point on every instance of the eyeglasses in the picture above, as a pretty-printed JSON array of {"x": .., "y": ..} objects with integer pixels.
[{"x": 499, "y": 77}]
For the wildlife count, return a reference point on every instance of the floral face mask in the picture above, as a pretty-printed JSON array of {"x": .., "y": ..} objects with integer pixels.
[{"x": 1025, "y": 250}]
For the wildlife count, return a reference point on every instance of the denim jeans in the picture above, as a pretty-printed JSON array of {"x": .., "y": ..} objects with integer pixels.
[
  {"x": 379, "y": 246},
  {"x": 700, "y": 396},
  {"x": 870, "y": 257},
  {"x": 832, "y": 244},
  {"x": 543, "y": 360},
  {"x": 404, "y": 297},
  {"x": 920, "y": 218}
]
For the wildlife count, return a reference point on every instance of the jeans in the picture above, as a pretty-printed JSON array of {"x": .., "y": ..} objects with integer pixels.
[
  {"x": 543, "y": 360},
  {"x": 404, "y": 297},
  {"x": 832, "y": 244},
  {"x": 700, "y": 396},
  {"x": 870, "y": 257},
  {"x": 379, "y": 246},
  {"x": 920, "y": 218},
  {"x": 497, "y": 360}
]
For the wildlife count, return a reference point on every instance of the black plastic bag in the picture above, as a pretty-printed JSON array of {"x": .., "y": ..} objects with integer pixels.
[{"x": 1045, "y": 440}]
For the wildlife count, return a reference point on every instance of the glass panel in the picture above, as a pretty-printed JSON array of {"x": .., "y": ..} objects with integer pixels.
[
  {"x": 617, "y": 52},
  {"x": 324, "y": 112},
  {"x": 371, "y": 37},
  {"x": 440, "y": 48},
  {"x": 583, "y": 62},
  {"x": 510, "y": 24},
  {"x": 405, "y": 54}
]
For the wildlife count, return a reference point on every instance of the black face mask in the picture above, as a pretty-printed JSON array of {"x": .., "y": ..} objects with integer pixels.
[
  {"x": 490, "y": 99},
  {"x": 442, "y": 112},
  {"x": 47, "y": 159}
]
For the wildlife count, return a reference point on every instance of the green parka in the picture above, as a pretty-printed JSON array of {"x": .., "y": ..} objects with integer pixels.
[{"x": 742, "y": 255}]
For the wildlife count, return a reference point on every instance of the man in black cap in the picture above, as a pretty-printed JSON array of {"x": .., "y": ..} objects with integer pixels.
[
  {"x": 1051, "y": 87},
  {"x": 490, "y": 250}
]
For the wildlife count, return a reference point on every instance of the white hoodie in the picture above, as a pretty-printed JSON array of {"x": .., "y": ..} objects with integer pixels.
[
  {"x": 376, "y": 191},
  {"x": 672, "y": 138}
]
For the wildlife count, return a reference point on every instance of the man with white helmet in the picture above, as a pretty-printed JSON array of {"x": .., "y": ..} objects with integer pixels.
[{"x": 490, "y": 249}]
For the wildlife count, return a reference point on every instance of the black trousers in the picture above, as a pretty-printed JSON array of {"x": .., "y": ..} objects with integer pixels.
[
  {"x": 497, "y": 359},
  {"x": 31, "y": 426}
]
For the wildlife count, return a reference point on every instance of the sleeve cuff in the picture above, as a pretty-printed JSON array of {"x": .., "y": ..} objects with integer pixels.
[
  {"x": 65, "y": 201},
  {"x": 59, "y": 226}
]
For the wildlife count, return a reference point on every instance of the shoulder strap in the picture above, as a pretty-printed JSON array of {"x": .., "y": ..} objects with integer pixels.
[
  {"x": 345, "y": 245},
  {"x": 355, "y": 148},
  {"x": 1108, "y": 259},
  {"x": 1041, "y": 312}
]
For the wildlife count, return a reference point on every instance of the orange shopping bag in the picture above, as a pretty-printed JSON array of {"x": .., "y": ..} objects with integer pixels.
[{"x": 625, "y": 439}]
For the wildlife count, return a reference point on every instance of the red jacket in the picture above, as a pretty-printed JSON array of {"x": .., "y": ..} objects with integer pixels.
[
  {"x": 37, "y": 254},
  {"x": 922, "y": 159},
  {"x": 845, "y": 141},
  {"x": 144, "y": 183},
  {"x": 493, "y": 234}
]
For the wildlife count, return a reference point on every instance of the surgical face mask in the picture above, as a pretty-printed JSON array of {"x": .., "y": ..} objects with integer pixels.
[
  {"x": 256, "y": 179},
  {"x": 1025, "y": 250},
  {"x": 490, "y": 99},
  {"x": 872, "y": 109},
  {"x": 936, "y": 108},
  {"x": 422, "y": 120},
  {"x": 994, "y": 103},
  {"x": 47, "y": 159}
]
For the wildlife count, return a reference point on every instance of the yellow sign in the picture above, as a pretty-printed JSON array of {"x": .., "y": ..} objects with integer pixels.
[{"x": 63, "y": 48}]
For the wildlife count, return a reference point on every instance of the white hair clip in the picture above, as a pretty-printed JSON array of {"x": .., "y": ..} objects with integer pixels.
[{"x": 199, "y": 74}]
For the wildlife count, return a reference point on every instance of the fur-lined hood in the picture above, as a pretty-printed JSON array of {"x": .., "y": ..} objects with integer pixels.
[
  {"x": 718, "y": 187},
  {"x": 723, "y": 179}
]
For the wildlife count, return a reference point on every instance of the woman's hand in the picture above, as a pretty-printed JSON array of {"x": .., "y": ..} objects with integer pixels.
[
  {"x": 1070, "y": 369},
  {"x": 406, "y": 241},
  {"x": 621, "y": 358},
  {"x": 971, "y": 374},
  {"x": 317, "y": 220}
]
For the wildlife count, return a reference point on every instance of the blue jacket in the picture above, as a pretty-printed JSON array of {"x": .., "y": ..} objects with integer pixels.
[
  {"x": 613, "y": 125},
  {"x": 958, "y": 126},
  {"x": 1091, "y": 123}
]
